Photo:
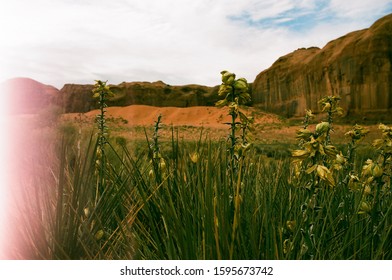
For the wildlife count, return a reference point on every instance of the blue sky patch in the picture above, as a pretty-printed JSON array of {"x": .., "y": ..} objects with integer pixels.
[{"x": 297, "y": 19}]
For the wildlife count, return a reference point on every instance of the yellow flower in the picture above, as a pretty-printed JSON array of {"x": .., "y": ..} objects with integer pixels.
[
  {"x": 354, "y": 182},
  {"x": 340, "y": 158},
  {"x": 324, "y": 173},
  {"x": 377, "y": 171},
  {"x": 367, "y": 168},
  {"x": 304, "y": 134},
  {"x": 162, "y": 164},
  {"x": 291, "y": 225},
  {"x": 326, "y": 107},
  {"x": 367, "y": 190},
  {"x": 357, "y": 133},
  {"x": 99, "y": 235},
  {"x": 309, "y": 113},
  {"x": 299, "y": 155},
  {"x": 364, "y": 208},
  {"x": 86, "y": 212},
  {"x": 372, "y": 169},
  {"x": 224, "y": 89},
  {"x": 332, "y": 152},
  {"x": 233, "y": 105},
  {"x": 194, "y": 157},
  {"x": 221, "y": 103}
]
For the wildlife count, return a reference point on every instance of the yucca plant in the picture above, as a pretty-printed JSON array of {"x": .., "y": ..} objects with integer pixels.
[{"x": 236, "y": 93}]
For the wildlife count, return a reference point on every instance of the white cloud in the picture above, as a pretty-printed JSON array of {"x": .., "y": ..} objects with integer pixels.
[{"x": 177, "y": 41}]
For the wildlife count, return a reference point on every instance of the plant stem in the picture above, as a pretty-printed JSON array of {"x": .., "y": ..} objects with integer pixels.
[{"x": 237, "y": 204}]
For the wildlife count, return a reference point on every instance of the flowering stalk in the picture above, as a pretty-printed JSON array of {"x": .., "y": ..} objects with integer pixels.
[
  {"x": 330, "y": 106},
  {"x": 236, "y": 92},
  {"x": 101, "y": 92},
  {"x": 158, "y": 162}
]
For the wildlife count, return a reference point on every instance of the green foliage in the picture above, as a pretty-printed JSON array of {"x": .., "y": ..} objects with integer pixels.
[{"x": 322, "y": 169}]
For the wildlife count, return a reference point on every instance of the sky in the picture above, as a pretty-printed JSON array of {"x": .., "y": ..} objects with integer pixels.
[{"x": 175, "y": 41}]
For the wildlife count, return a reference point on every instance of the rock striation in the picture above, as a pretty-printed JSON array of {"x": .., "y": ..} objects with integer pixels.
[
  {"x": 357, "y": 67},
  {"x": 78, "y": 98}
]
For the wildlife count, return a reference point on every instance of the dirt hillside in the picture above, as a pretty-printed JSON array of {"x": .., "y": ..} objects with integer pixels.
[{"x": 211, "y": 117}]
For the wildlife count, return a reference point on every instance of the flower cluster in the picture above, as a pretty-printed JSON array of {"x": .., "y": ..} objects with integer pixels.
[
  {"x": 235, "y": 93},
  {"x": 316, "y": 154}
]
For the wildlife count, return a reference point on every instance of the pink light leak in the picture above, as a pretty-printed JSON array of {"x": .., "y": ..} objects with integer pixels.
[
  {"x": 20, "y": 152},
  {"x": 4, "y": 172}
]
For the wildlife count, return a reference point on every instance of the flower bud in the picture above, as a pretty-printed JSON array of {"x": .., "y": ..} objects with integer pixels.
[
  {"x": 327, "y": 106},
  {"x": 367, "y": 190},
  {"x": 224, "y": 89},
  {"x": 304, "y": 134},
  {"x": 364, "y": 208},
  {"x": 367, "y": 167},
  {"x": 99, "y": 234},
  {"x": 194, "y": 157},
  {"x": 340, "y": 158},
  {"x": 377, "y": 171},
  {"x": 291, "y": 225},
  {"x": 221, "y": 103},
  {"x": 162, "y": 164},
  {"x": 227, "y": 77},
  {"x": 86, "y": 212},
  {"x": 241, "y": 84},
  {"x": 322, "y": 127}
]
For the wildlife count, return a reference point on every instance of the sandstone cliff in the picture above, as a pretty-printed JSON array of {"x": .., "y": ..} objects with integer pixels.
[
  {"x": 357, "y": 67},
  {"x": 78, "y": 98}
]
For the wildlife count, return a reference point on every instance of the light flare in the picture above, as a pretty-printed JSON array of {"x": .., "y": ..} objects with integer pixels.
[{"x": 4, "y": 172}]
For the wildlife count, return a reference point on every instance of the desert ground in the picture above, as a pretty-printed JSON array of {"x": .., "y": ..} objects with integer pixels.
[{"x": 130, "y": 121}]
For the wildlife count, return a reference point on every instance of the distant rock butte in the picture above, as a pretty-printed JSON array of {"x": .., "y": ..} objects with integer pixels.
[
  {"x": 357, "y": 67},
  {"x": 27, "y": 96},
  {"x": 78, "y": 98}
]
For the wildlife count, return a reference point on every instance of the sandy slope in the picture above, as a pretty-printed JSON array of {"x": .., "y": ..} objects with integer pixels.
[
  {"x": 268, "y": 127},
  {"x": 192, "y": 116}
]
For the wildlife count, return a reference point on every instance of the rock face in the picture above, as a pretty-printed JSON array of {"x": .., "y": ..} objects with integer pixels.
[
  {"x": 357, "y": 67},
  {"x": 78, "y": 98},
  {"x": 27, "y": 96}
]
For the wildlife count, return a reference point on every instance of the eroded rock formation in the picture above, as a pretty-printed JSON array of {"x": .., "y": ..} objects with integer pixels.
[
  {"x": 27, "y": 96},
  {"x": 357, "y": 67},
  {"x": 78, "y": 98}
]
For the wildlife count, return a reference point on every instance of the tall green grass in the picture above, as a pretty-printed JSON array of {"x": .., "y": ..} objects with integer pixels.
[{"x": 186, "y": 207}]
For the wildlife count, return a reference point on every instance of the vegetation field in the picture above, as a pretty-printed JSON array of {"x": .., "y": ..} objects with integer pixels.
[{"x": 314, "y": 191}]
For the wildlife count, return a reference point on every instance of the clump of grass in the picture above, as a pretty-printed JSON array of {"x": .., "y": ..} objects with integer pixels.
[{"x": 323, "y": 170}]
